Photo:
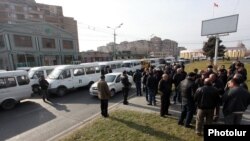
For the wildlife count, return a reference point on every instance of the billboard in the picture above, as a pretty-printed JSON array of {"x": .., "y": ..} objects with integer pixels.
[{"x": 220, "y": 25}]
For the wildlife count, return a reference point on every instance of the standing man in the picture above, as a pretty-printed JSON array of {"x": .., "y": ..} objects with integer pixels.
[
  {"x": 151, "y": 86},
  {"x": 207, "y": 100},
  {"x": 235, "y": 102},
  {"x": 164, "y": 88},
  {"x": 125, "y": 89},
  {"x": 187, "y": 89},
  {"x": 44, "y": 84},
  {"x": 137, "y": 79},
  {"x": 104, "y": 95}
]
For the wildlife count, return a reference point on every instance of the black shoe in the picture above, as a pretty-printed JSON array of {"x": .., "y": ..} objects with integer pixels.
[
  {"x": 163, "y": 116},
  {"x": 180, "y": 123},
  {"x": 149, "y": 104},
  {"x": 168, "y": 114},
  {"x": 189, "y": 126}
]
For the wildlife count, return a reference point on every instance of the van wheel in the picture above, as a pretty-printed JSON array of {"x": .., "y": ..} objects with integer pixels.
[
  {"x": 8, "y": 104},
  {"x": 61, "y": 91},
  {"x": 90, "y": 83},
  {"x": 112, "y": 92},
  {"x": 35, "y": 89}
]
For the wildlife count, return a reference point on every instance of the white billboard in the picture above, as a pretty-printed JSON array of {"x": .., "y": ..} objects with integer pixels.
[{"x": 220, "y": 25}]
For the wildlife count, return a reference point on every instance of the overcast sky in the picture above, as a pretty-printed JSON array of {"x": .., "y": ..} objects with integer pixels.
[{"x": 178, "y": 20}]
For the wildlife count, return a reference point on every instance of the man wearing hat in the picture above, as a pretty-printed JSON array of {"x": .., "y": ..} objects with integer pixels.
[{"x": 187, "y": 89}]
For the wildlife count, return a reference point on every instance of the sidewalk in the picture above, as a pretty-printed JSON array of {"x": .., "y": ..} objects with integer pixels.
[{"x": 139, "y": 103}]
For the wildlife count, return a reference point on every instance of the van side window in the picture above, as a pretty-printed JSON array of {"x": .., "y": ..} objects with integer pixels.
[
  {"x": 65, "y": 74},
  {"x": 38, "y": 74},
  {"x": 10, "y": 82},
  {"x": 119, "y": 65},
  {"x": 90, "y": 70},
  {"x": 23, "y": 80},
  {"x": 49, "y": 71},
  {"x": 113, "y": 66},
  {"x": 97, "y": 69},
  {"x": 78, "y": 72},
  {"x": 2, "y": 83}
]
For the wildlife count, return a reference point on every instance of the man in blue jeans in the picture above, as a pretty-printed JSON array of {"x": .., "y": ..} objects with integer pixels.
[
  {"x": 151, "y": 84},
  {"x": 187, "y": 89}
]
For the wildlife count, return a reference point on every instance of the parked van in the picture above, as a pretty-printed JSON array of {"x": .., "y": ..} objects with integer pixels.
[
  {"x": 24, "y": 68},
  {"x": 154, "y": 61},
  {"x": 14, "y": 87},
  {"x": 66, "y": 77},
  {"x": 131, "y": 65},
  {"x": 116, "y": 66},
  {"x": 36, "y": 72}
]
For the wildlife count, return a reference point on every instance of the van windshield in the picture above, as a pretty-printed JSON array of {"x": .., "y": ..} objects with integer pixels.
[
  {"x": 110, "y": 78},
  {"x": 55, "y": 74},
  {"x": 31, "y": 73}
]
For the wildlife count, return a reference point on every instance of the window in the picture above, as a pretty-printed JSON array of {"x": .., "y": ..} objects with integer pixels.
[
  {"x": 38, "y": 74},
  {"x": 65, "y": 74},
  {"x": 22, "y": 41},
  {"x": 2, "y": 83},
  {"x": 20, "y": 16},
  {"x": 48, "y": 43},
  {"x": 23, "y": 80},
  {"x": 90, "y": 70},
  {"x": 97, "y": 69},
  {"x": 10, "y": 82},
  {"x": 113, "y": 66},
  {"x": 78, "y": 72},
  {"x": 119, "y": 65},
  {"x": 67, "y": 44},
  {"x": 1, "y": 41},
  {"x": 49, "y": 71}
]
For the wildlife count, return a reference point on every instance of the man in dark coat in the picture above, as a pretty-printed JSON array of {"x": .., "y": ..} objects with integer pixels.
[
  {"x": 164, "y": 89},
  {"x": 125, "y": 89},
  {"x": 207, "y": 100},
  {"x": 151, "y": 85},
  {"x": 235, "y": 102},
  {"x": 187, "y": 89},
  {"x": 44, "y": 84},
  {"x": 104, "y": 94},
  {"x": 137, "y": 79}
]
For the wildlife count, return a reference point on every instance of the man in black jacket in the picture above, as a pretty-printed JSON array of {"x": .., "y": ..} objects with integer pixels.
[
  {"x": 44, "y": 87},
  {"x": 165, "y": 88},
  {"x": 125, "y": 89},
  {"x": 151, "y": 85},
  {"x": 137, "y": 79},
  {"x": 207, "y": 100},
  {"x": 187, "y": 89},
  {"x": 235, "y": 102}
]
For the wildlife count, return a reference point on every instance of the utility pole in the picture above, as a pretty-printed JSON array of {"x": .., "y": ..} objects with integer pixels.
[{"x": 114, "y": 46}]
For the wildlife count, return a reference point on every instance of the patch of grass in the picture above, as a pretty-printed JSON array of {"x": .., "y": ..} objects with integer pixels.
[
  {"x": 123, "y": 125},
  {"x": 202, "y": 65}
]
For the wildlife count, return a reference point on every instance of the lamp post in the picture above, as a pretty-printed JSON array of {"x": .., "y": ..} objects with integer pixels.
[{"x": 114, "y": 47}]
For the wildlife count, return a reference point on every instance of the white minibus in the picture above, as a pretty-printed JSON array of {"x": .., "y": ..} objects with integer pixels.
[
  {"x": 131, "y": 65},
  {"x": 116, "y": 66},
  {"x": 36, "y": 72},
  {"x": 67, "y": 77},
  {"x": 14, "y": 87}
]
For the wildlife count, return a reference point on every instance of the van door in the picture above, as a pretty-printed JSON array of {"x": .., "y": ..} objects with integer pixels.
[
  {"x": 65, "y": 79},
  {"x": 24, "y": 89},
  {"x": 78, "y": 77},
  {"x": 118, "y": 83}
]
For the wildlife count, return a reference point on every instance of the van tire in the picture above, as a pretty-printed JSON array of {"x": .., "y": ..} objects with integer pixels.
[
  {"x": 112, "y": 92},
  {"x": 90, "y": 83},
  {"x": 8, "y": 104},
  {"x": 61, "y": 91},
  {"x": 35, "y": 89}
]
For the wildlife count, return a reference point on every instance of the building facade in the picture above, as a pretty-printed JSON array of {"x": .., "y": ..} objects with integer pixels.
[
  {"x": 33, "y": 34},
  {"x": 239, "y": 51},
  {"x": 155, "y": 47},
  {"x": 94, "y": 56},
  {"x": 35, "y": 45}
]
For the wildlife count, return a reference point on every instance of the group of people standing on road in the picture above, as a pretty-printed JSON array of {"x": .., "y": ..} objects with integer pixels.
[{"x": 201, "y": 92}]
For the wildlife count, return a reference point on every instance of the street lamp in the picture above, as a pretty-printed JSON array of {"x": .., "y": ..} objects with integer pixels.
[{"x": 114, "y": 47}]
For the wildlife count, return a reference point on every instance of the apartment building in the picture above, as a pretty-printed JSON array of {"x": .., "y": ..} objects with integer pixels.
[{"x": 33, "y": 34}]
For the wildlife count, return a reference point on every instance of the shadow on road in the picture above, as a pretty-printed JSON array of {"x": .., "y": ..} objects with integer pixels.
[{"x": 12, "y": 123}]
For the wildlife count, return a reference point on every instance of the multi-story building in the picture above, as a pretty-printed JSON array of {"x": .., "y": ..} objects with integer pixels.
[
  {"x": 143, "y": 48},
  {"x": 34, "y": 34},
  {"x": 94, "y": 56}
]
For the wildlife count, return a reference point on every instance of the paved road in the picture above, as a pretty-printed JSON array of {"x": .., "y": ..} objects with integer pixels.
[{"x": 34, "y": 120}]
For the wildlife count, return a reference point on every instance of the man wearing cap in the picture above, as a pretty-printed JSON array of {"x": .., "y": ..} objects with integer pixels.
[{"x": 187, "y": 89}]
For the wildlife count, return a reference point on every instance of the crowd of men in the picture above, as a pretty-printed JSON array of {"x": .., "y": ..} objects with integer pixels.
[{"x": 201, "y": 92}]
